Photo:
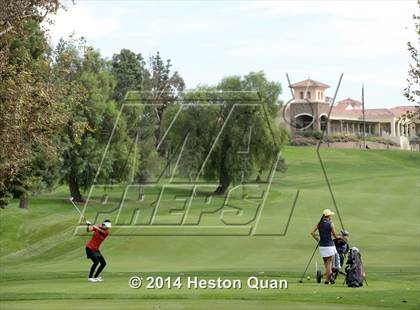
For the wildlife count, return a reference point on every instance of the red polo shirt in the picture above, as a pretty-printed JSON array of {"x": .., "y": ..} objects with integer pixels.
[{"x": 97, "y": 239}]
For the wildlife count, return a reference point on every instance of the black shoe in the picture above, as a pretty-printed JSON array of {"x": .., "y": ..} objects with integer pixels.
[
  {"x": 327, "y": 282},
  {"x": 332, "y": 281},
  {"x": 318, "y": 276}
]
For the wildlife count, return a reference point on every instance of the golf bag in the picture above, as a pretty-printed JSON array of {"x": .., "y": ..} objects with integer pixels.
[
  {"x": 355, "y": 274},
  {"x": 342, "y": 248}
]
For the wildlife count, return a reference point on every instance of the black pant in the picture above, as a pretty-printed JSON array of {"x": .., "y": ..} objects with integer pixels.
[{"x": 97, "y": 260}]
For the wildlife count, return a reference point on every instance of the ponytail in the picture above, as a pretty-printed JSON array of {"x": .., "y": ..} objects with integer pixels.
[{"x": 320, "y": 221}]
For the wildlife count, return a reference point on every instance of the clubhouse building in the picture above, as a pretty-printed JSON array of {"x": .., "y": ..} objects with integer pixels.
[{"x": 309, "y": 112}]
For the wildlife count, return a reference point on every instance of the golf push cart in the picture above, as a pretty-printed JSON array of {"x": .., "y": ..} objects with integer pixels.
[
  {"x": 342, "y": 247},
  {"x": 354, "y": 272}
]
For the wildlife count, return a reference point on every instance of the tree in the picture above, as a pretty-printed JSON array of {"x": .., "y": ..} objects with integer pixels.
[
  {"x": 30, "y": 117},
  {"x": 412, "y": 91},
  {"x": 160, "y": 90},
  {"x": 93, "y": 116},
  {"x": 128, "y": 70},
  {"x": 228, "y": 163},
  {"x": 196, "y": 125},
  {"x": 269, "y": 91},
  {"x": 157, "y": 88},
  {"x": 163, "y": 86},
  {"x": 15, "y": 13},
  {"x": 41, "y": 174},
  {"x": 142, "y": 123},
  {"x": 236, "y": 106}
]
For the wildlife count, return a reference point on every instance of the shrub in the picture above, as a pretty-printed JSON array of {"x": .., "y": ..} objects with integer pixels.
[
  {"x": 317, "y": 134},
  {"x": 381, "y": 140},
  {"x": 302, "y": 141},
  {"x": 415, "y": 140},
  {"x": 304, "y": 133}
]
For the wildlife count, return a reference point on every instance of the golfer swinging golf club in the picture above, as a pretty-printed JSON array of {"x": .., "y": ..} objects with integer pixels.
[
  {"x": 327, "y": 248},
  {"x": 92, "y": 249}
]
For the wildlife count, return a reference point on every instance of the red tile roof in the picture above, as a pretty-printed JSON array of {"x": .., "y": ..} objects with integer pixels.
[
  {"x": 342, "y": 110},
  {"x": 343, "y": 104},
  {"x": 309, "y": 83},
  {"x": 369, "y": 113},
  {"x": 400, "y": 110}
]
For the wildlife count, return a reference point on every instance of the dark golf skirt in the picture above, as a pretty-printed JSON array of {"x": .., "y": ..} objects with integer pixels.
[{"x": 91, "y": 254}]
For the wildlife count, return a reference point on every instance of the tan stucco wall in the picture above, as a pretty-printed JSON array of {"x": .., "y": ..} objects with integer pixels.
[{"x": 314, "y": 93}]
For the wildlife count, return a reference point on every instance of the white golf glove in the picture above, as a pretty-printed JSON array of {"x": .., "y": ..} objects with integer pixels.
[{"x": 88, "y": 223}]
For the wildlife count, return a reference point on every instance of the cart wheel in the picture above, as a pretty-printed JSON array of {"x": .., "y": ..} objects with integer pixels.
[{"x": 318, "y": 276}]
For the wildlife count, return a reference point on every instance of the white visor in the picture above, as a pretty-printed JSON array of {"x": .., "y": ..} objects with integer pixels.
[{"x": 107, "y": 224}]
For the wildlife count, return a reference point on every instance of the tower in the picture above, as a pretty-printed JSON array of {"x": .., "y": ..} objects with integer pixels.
[{"x": 309, "y": 110}]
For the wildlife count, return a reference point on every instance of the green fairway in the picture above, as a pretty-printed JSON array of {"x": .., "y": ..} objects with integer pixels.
[{"x": 43, "y": 264}]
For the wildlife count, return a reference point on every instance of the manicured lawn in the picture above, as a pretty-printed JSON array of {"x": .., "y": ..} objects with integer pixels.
[{"x": 377, "y": 192}]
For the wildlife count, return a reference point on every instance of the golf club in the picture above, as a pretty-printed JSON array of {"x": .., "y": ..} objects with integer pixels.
[
  {"x": 365, "y": 275},
  {"x": 78, "y": 210},
  {"x": 310, "y": 260}
]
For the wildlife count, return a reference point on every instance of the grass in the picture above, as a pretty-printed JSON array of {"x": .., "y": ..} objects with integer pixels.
[{"x": 377, "y": 191}]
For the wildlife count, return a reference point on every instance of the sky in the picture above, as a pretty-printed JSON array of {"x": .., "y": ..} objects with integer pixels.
[{"x": 208, "y": 40}]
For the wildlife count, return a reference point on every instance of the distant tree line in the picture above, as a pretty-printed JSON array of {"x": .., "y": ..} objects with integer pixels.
[{"x": 59, "y": 106}]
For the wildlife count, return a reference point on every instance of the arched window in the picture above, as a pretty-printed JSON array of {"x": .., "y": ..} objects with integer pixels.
[
  {"x": 323, "y": 122},
  {"x": 308, "y": 95},
  {"x": 301, "y": 95}
]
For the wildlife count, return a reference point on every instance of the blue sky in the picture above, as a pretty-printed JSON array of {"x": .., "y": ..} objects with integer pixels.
[{"x": 207, "y": 40}]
